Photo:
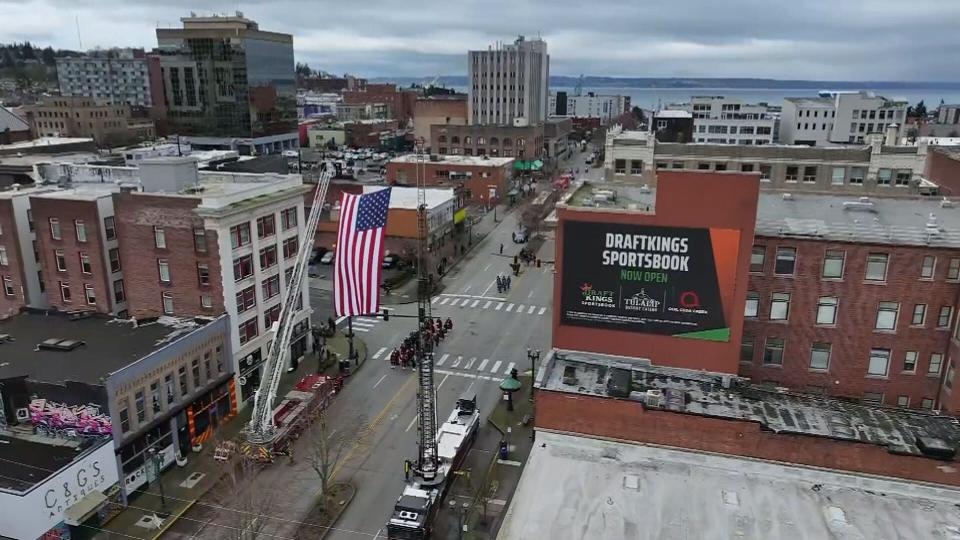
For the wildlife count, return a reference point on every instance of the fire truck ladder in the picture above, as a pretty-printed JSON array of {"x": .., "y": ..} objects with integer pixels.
[
  {"x": 261, "y": 429},
  {"x": 428, "y": 461}
]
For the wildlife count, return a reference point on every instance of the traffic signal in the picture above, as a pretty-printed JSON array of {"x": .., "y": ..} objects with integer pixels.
[{"x": 386, "y": 314}]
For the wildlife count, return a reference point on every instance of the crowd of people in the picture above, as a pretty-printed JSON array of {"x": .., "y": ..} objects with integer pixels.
[
  {"x": 432, "y": 332},
  {"x": 503, "y": 283}
]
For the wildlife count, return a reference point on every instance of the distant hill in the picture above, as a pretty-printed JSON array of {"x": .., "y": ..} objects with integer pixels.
[{"x": 593, "y": 81}]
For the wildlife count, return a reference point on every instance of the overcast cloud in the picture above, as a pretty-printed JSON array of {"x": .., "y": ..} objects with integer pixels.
[{"x": 783, "y": 39}]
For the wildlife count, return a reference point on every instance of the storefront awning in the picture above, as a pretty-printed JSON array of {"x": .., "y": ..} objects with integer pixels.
[
  {"x": 459, "y": 215},
  {"x": 84, "y": 508}
]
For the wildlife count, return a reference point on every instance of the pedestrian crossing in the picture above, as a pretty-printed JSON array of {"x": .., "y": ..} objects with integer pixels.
[
  {"x": 364, "y": 324},
  {"x": 446, "y": 363},
  {"x": 485, "y": 303}
]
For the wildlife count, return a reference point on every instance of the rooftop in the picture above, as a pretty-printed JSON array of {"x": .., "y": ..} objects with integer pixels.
[
  {"x": 608, "y": 195},
  {"x": 577, "y": 487},
  {"x": 406, "y": 197},
  {"x": 107, "y": 345},
  {"x": 44, "y": 141},
  {"x": 81, "y": 192},
  {"x": 669, "y": 113},
  {"x": 728, "y": 397},
  {"x": 921, "y": 221},
  {"x": 810, "y": 101},
  {"x": 484, "y": 161},
  {"x": 25, "y": 463}
]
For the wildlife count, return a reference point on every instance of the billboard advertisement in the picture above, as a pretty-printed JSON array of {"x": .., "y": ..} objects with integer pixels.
[{"x": 672, "y": 281}]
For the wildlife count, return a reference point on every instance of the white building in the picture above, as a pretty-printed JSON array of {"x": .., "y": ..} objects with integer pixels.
[
  {"x": 839, "y": 118},
  {"x": 508, "y": 82},
  {"x": 112, "y": 81},
  {"x": 724, "y": 120},
  {"x": 591, "y": 105}
]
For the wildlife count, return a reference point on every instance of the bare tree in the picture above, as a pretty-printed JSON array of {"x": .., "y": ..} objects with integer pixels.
[
  {"x": 251, "y": 503},
  {"x": 327, "y": 446}
]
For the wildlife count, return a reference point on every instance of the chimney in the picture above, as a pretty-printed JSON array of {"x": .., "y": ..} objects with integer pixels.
[{"x": 890, "y": 138}]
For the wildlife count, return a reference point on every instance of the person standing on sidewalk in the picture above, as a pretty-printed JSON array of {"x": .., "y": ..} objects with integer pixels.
[{"x": 501, "y": 248}]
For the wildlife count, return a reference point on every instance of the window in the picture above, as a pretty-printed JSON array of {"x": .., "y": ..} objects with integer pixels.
[
  {"x": 856, "y": 175},
  {"x": 248, "y": 330},
  {"x": 124, "y": 420},
  {"x": 60, "y": 259},
  {"x": 943, "y": 319},
  {"x": 746, "y": 167},
  {"x": 182, "y": 376},
  {"x": 243, "y": 267},
  {"x": 288, "y": 218},
  {"x": 81, "y": 229},
  {"x": 883, "y": 177},
  {"x": 65, "y": 291},
  {"x": 199, "y": 239},
  {"x": 4, "y": 261},
  {"x": 820, "y": 356},
  {"x": 246, "y": 299},
  {"x": 159, "y": 237},
  {"x": 206, "y": 301},
  {"x": 879, "y": 362},
  {"x": 779, "y": 306},
  {"x": 785, "y": 262},
  {"x": 167, "y": 298},
  {"x": 765, "y": 173},
  {"x": 873, "y": 398},
  {"x": 927, "y": 266},
  {"x": 757, "y": 256},
  {"x": 290, "y": 247},
  {"x": 270, "y": 316},
  {"x": 109, "y": 228},
  {"x": 195, "y": 371},
  {"x": 919, "y": 315},
  {"x": 832, "y": 264},
  {"x": 936, "y": 361},
  {"x": 168, "y": 385},
  {"x": 141, "y": 412},
  {"x": 953, "y": 271},
  {"x": 703, "y": 166},
  {"x": 810, "y": 174},
  {"x": 926, "y": 403},
  {"x": 118, "y": 294},
  {"x": 902, "y": 178},
  {"x": 240, "y": 235},
  {"x": 203, "y": 274},
  {"x": 903, "y": 401},
  {"x": 746, "y": 348},
  {"x": 636, "y": 166},
  {"x": 268, "y": 256},
  {"x": 271, "y": 287},
  {"x": 876, "y": 267},
  {"x": 8, "y": 286},
  {"x": 792, "y": 173},
  {"x": 163, "y": 268},
  {"x": 720, "y": 166},
  {"x": 85, "y": 263},
  {"x": 155, "y": 396},
  {"x": 620, "y": 166},
  {"x": 773, "y": 352},
  {"x": 89, "y": 294},
  {"x": 114, "y": 255},
  {"x": 752, "y": 307},
  {"x": 887, "y": 316},
  {"x": 827, "y": 310},
  {"x": 55, "y": 228},
  {"x": 266, "y": 226},
  {"x": 837, "y": 175},
  {"x": 910, "y": 361}
]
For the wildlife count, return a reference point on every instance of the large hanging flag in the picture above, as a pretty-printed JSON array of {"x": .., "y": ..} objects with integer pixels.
[{"x": 359, "y": 255}]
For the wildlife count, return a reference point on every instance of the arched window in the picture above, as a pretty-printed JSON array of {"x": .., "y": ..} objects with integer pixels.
[
  {"x": 494, "y": 141},
  {"x": 507, "y": 141},
  {"x": 442, "y": 138},
  {"x": 467, "y": 140},
  {"x": 455, "y": 140}
]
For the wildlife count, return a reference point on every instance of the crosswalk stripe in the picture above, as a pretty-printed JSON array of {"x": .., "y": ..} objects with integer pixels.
[
  {"x": 542, "y": 310},
  {"x": 456, "y": 362},
  {"x": 362, "y": 324},
  {"x": 483, "y": 364},
  {"x": 474, "y": 304},
  {"x": 378, "y": 353},
  {"x": 361, "y": 329},
  {"x": 509, "y": 367},
  {"x": 530, "y": 311},
  {"x": 485, "y": 306},
  {"x": 434, "y": 301},
  {"x": 509, "y": 308},
  {"x": 520, "y": 308},
  {"x": 470, "y": 362},
  {"x": 496, "y": 366},
  {"x": 366, "y": 320},
  {"x": 499, "y": 305},
  {"x": 455, "y": 301},
  {"x": 444, "y": 301},
  {"x": 443, "y": 359}
]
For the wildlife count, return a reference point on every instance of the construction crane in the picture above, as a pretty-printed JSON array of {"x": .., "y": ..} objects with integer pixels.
[{"x": 261, "y": 430}]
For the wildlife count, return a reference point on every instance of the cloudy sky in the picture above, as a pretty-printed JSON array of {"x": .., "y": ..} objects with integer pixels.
[{"x": 784, "y": 39}]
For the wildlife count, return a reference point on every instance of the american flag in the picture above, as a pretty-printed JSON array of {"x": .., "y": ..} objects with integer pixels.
[{"x": 356, "y": 276}]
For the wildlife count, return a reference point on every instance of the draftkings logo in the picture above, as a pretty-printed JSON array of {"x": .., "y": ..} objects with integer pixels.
[
  {"x": 596, "y": 298},
  {"x": 641, "y": 301}
]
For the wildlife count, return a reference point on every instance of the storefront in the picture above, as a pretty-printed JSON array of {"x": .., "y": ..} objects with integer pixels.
[
  {"x": 209, "y": 411},
  {"x": 250, "y": 374}
]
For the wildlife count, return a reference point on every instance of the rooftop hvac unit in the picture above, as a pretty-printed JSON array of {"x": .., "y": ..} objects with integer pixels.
[
  {"x": 654, "y": 399},
  {"x": 434, "y": 157}
]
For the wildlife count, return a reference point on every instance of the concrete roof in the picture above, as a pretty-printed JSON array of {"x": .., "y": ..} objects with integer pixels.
[
  {"x": 672, "y": 114},
  {"x": 44, "y": 141},
  {"x": 577, "y": 487},
  {"x": 921, "y": 221},
  {"x": 9, "y": 120},
  {"x": 484, "y": 161},
  {"x": 810, "y": 101},
  {"x": 25, "y": 463},
  {"x": 406, "y": 197},
  {"x": 81, "y": 192}
]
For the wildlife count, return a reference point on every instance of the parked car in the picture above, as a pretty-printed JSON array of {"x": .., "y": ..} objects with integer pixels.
[
  {"x": 520, "y": 236},
  {"x": 327, "y": 258},
  {"x": 390, "y": 261},
  {"x": 318, "y": 253}
]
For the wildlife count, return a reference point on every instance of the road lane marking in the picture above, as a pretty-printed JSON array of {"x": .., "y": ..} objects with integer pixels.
[
  {"x": 496, "y": 366},
  {"x": 474, "y": 304},
  {"x": 480, "y": 296},
  {"x": 467, "y": 288},
  {"x": 378, "y": 353},
  {"x": 435, "y": 298},
  {"x": 483, "y": 364},
  {"x": 530, "y": 311},
  {"x": 410, "y": 425},
  {"x": 509, "y": 367},
  {"x": 470, "y": 362},
  {"x": 366, "y": 320},
  {"x": 499, "y": 305},
  {"x": 380, "y": 381},
  {"x": 456, "y": 362},
  {"x": 442, "y": 359},
  {"x": 520, "y": 309},
  {"x": 341, "y": 319},
  {"x": 361, "y": 329},
  {"x": 444, "y": 301},
  {"x": 442, "y": 381},
  {"x": 488, "y": 267},
  {"x": 530, "y": 295},
  {"x": 509, "y": 308},
  {"x": 542, "y": 310},
  {"x": 454, "y": 301},
  {"x": 487, "y": 305},
  {"x": 362, "y": 324}
]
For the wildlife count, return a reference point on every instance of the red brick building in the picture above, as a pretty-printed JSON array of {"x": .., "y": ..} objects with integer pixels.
[
  {"x": 438, "y": 110},
  {"x": 483, "y": 179},
  {"x": 401, "y": 101},
  {"x": 523, "y": 142},
  {"x": 943, "y": 168},
  {"x": 19, "y": 281},
  {"x": 369, "y": 133}
]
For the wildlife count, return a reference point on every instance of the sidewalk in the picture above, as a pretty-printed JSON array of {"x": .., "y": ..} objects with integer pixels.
[
  {"x": 482, "y": 495},
  {"x": 183, "y": 486}
]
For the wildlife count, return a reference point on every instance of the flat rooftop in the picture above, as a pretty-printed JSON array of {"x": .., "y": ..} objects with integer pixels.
[
  {"x": 612, "y": 195},
  {"x": 483, "y": 161},
  {"x": 45, "y": 141},
  {"x": 109, "y": 345},
  {"x": 704, "y": 394},
  {"x": 406, "y": 197},
  {"x": 25, "y": 463},
  {"x": 576, "y": 487},
  {"x": 81, "y": 192},
  {"x": 811, "y": 101},
  {"x": 672, "y": 113}
]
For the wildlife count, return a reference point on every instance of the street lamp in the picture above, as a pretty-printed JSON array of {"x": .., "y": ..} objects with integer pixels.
[
  {"x": 533, "y": 356},
  {"x": 461, "y": 517},
  {"x": 157, "y": 459}
]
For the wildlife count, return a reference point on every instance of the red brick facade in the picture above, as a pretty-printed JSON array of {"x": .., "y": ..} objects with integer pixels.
[
  {"x": 11, "y": 273},
  {"x": 482, "y": 177},
  {"x": 401, "y": 102},
  {"x": 137, "y": 215},
  {"x": 628, "y": 420},
  {"x": 853, "y": 334},
  {"x": 368, "y": 134},
  {"x": 68, "y": 212},
  {"x": 943, "y": 169},
  {"x": 495, "y": 141}
]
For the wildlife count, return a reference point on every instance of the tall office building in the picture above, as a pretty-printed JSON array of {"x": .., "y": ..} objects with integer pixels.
[
  {"x": 115, "y": 77},
  {"x": 509, "y": 83},
  {"x": 229, "y": 85}
]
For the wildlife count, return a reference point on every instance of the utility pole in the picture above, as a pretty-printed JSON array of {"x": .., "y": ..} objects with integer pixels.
[
  {"x": 352, "y": 354},
  {"x": 533, "y": 356}
]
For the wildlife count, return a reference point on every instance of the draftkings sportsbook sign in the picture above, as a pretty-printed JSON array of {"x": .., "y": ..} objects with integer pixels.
[{"x": 639, "y": 278}]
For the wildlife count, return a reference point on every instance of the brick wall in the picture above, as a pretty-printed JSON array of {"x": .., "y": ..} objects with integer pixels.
[
  {"x": 452, "y": 139},
  {"x": 136, "y": 215},
  {"x": 439, "y": 111},
  {"x": 67, "y": 211},
  {"x": 405, "y": 174},
  {"x": 10, "y": 305},
  {"x": 854, "y": 333},
  {"x": 943, "y": 169},
  {"x": 628, "y": 420}
]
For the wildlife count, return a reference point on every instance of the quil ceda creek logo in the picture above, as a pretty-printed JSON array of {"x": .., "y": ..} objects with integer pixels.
[{"x": 595, "y": 297}]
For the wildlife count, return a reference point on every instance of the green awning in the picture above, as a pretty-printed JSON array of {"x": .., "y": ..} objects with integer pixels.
[
  {"x": 522, "y": 165},
  {"x": 536, "y": 165}
]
